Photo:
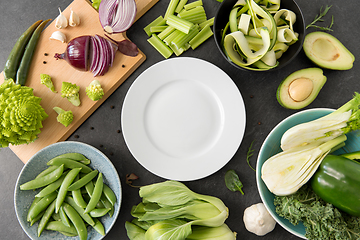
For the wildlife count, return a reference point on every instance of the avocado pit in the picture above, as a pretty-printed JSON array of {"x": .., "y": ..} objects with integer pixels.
[{"x": 300, "y": 89}]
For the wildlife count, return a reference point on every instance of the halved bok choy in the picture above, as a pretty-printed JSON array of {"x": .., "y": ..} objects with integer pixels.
[
  {"x": 285, "y": 172},
  {"x": 342, "y": 121}
]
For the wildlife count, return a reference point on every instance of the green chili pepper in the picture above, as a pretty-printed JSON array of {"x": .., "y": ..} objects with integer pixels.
[
  {"x": 13, "y": 61},
  {"x": 23, "y": 69},
  {"x": 68, "y": 163},
  {"x": 60, "y": 227},
  {"x": 109, "y": 194},
  {"x": 44, "y": 180},
  {"x": 76, "y": 220},
  {"x": 87, "y": 218},
  {"x": 69, "y": 178},
  {"x": 83, "y": 181},
  {"x": 46, "y": 217},
  {"x": 337, "y": 182},
  {"x": 41, "y": 206},
  {"x": 96, "y": 195}
]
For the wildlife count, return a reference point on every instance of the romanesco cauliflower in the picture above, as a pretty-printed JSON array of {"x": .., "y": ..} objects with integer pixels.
[
  {"x": 46, "y": 80},
  {"x": 71, "y": 92},
  {"x": 64, "y": 117},
  {"x": 94, "y": 90}
]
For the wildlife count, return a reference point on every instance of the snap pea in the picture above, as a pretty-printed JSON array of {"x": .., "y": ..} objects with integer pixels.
[
  {"x": 98, "y": 189},
  {"x": 68, "y": 234},
  {"x": 23, "y": 69},
  {"x": 14, "y": 58},
  {"x": 83, "y": 181},
  {"x": 60, "y": 227},
  {"x": 99, "y": 227},
  {"x": 44, "y": 180},
  {"x": 56, "y": 216},
  {"x": 46, "y": 171},
  {"x": 37, "y": 218},
  {"x": 35, "y": 201},
  {"x": 65, "y": 220},
  {"x": 107, "y": 204},
  {"x": 76, "y": 220},
  {"x": 69, "y": 178},
  {"x": 46, "y": 217},
  {"x": 78, "y": 198},
  {"x": 68, "y": 163},
  {"x": 109, "y": 194},
  {"x": 41, "y": 205},
  {"x": 99, "y": 212},
  {"x": 51, "y": 187},
  {"x": 87, "y": 218},
  {"x": 73, "y": 156}
]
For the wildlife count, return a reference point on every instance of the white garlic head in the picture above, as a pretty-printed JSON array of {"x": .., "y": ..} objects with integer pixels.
[
  {"x": 61, "y": 21},
  {"x": 258, "y": 220}
]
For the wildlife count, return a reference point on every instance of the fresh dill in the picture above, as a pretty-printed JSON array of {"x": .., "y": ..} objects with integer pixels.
[{"x": 319, "y": 18}]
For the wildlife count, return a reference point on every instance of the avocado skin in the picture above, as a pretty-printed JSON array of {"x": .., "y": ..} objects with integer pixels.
[
  {"x": 326, "y": 51},
  {"x": 282, "y": 93}
]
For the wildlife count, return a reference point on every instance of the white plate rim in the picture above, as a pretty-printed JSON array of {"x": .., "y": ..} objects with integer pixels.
[{"x": 167, "y": 166}]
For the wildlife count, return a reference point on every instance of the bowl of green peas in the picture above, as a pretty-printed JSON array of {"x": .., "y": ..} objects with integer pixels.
[{"x": 68, "y": 189}]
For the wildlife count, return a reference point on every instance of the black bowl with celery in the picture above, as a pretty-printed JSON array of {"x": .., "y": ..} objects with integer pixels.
[{"x": 257, "y": 37}]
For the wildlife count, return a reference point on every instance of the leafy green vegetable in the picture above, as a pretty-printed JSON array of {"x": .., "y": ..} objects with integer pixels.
[
  {"x": 46, "y": 80},
  {"x": 321, "y": 220},
  {"x": 64, "y": 117},
  {"x": 71, "y": 92},
  {"x": 21, "y": 114},
  {"x": 233, "y": 182},
  {"x": 319, "y": 18},
  {"x": 249, "y": 154},
  {"x": 94, "y": 91}
]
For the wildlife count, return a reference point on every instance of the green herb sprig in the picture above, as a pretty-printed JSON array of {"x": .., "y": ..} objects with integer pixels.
[
  {"x": 249, "y": 154},
  {"x": 319, "y": 18}
]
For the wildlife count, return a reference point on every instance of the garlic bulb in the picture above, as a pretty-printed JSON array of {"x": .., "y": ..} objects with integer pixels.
[
  {"x": 57, "y": 35},
  {"x": 74, "y": 19},
  {"x": 258, "y": 220},
  {"x": 61, "y": 21}
]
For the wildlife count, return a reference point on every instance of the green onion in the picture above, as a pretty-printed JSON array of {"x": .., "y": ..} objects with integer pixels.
[{"x": 160, "y": 46}]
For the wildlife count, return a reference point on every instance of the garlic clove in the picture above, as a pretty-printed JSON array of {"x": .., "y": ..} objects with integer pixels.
[
  {"x": 57, "y": 35},
  {"x": 74, "y": 19},
  {"x": 61, "y": 21}
]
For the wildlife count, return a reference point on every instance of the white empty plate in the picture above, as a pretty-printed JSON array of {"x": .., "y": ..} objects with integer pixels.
[{"x": 183, "y": 119}]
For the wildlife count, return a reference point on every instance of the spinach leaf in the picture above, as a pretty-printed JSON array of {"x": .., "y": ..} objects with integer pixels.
[{"x": 233, "y": 182}]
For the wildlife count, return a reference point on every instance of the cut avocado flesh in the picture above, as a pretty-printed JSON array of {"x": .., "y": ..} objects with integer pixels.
[
  {"x": 300, "y": 88},
  {"x": 326, "y": 51}
]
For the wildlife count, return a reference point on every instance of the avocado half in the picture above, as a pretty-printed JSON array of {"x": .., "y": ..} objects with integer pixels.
[
  {"x": 326, "y": 51},
  {"x": 300, "y": 88}
]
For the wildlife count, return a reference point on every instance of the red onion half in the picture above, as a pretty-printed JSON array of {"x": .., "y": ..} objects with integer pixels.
[
  {"x": 117, "y": 16},
  {"x": 90, "y": 53}
]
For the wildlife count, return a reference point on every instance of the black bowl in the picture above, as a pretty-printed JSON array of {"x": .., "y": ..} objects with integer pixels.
[{"x": 222, "y": 18}]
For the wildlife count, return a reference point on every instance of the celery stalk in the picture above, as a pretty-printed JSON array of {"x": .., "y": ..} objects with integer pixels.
[
  {"x": 157, "y": 29},
  {"x": 194, "y": 15},
  {"x": 160, "y": 21},
  {"x": 166, "y": 32},
  {"x": 172, "y": 36},
  {"x": 182, "y": 38},
  {"x": 179, "y": 23},
  {"x": 171, "y": 8},
  {"x": 203, "y": 35},
  {"x": 209, "y": 22},
  {"x": 160, "y": 46},
  {"x": 193, "y": 4},
  {"x": 180, "y": 6}
]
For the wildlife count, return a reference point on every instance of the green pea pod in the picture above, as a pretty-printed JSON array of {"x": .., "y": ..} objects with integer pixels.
[
  {"x": 69, "y": 178},
  {"x": 13, "y": 61},
  {"x": 83, "y": 181},
  {"x": 46, "y": 217},
  {"x": 99, "y": 227},
  {"x": 35, "y": 201},
  {"x": 38, "y": 217},
  {"x": 78, "y": 198},
  {"x": 60, "y": 227},
  {"x": 47, "y": 171},
  {"x": 56, "y": 216},
  {"x": 68, "y": 163},
  {"x": 41, "y": 205},
  {"x": 76, "y": 220},
  {"x": 44, "y": 180},
  {"x": 73, "y": 156},
  {"x": 51, "y": 187},
  {"x": 107, "y": 204},
  {"x": 23, "y": 69},
  {"x": 96, "y": 195},
  {"x": 87, "y": 218},
  {"x": 63, "y": 217},
  {"x": 109, "y": 194},
  {"x": 99, "y": 212}
]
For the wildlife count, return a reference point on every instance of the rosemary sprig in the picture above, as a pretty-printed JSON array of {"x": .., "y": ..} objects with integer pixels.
[
  {"x": 249, "y": 154},
  {"x": 318, "y": 18}
]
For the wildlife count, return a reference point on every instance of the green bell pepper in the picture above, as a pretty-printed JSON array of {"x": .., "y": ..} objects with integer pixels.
[{"x": 337, "y": 182}]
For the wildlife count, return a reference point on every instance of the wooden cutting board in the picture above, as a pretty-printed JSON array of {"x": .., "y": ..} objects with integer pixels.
[{"x": 60, "y": 71}]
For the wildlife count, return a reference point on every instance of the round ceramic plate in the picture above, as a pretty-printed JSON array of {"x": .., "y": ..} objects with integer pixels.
[
  {"x": 37, "y": 163},
  {"x": 183, "y": 119},
  {"x": 271, "y": 146}
]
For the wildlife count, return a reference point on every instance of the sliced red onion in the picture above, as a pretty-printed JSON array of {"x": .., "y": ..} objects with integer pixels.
[{"x": 117, "y": 16}]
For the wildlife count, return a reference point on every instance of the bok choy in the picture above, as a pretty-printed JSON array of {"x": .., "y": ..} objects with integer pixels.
[
  {"x": 344, "y": 120},
  {"x": 170, "y": 210}
]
